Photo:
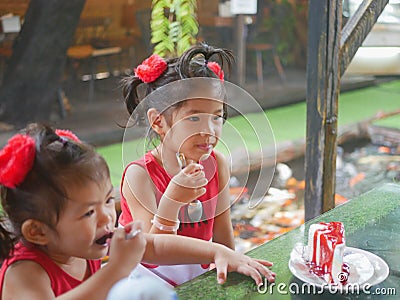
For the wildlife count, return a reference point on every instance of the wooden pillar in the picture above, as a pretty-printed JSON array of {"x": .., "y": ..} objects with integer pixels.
[
  {"x": 330, "y": 51},
  {"x": 323, "y": 80},
  {"x": 241, "y": 36}
]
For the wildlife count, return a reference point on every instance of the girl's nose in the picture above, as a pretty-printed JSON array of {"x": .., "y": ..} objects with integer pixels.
[
  {"x": 105, "y": 217},
  {"x": 208, "y": 128}
]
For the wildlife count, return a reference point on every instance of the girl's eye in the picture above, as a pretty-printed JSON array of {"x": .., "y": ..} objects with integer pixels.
[
  {"x": 110, "y": 200},
  {"x": 89, "y": 213},
  {"x": 193, "y": 118},
  {"x": 218, "y": 118}
]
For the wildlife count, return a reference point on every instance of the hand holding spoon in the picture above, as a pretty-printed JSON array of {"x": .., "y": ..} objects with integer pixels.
[{"x": 194, "y": 208}]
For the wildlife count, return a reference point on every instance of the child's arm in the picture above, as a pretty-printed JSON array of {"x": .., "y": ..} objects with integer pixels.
[
  {"x": 169, "y": 249},
  {"x": 223, "y": 230},
  {"x": 28, "y": 280},
  {"x": 139, "y": 192}
]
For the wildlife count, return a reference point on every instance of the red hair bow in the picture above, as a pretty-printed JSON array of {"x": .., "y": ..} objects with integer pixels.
[
  {"x": 67, "y": 134},
  {"x": 215, "y": 67},
  {"x": 16, "y": 160},
  {"x": 151, "y": 68}
]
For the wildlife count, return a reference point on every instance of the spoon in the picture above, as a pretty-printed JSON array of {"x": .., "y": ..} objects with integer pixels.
[{"x": 194, "y": 208}]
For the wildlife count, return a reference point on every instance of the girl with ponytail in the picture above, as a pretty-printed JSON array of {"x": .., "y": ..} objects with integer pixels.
[{"x": 181, "y": 185}]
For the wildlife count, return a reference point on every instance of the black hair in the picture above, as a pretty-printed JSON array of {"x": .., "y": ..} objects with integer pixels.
[
  {"x": 192, "y": 63},
  {"x": 42, "y": 195}
]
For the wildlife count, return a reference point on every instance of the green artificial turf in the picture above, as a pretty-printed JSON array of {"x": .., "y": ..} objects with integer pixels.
[{"x": 287, "y": 123}]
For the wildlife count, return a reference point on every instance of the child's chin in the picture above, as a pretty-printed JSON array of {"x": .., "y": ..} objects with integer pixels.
[{"x": 102, "y": 251}]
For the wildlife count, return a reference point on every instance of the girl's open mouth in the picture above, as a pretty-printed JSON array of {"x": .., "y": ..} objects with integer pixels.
[
  {"x": 103, "y": 239},
  {"x": 129, "y": 235}
]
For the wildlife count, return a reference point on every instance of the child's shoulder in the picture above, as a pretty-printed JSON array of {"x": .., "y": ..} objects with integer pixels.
[
  {"x": 220, "y": 157},
  {"x": 28, "y": 274},
  {"x": 140, "y": 164},
  {"x": 140, "y": 169}
]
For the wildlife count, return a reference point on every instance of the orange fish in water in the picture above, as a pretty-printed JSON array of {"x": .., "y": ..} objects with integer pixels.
[{"x": 356, "y": 179}]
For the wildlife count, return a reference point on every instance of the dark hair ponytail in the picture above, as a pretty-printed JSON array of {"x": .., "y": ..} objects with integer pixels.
[
  {"x": 192, "y": 63},
  {"x": 7, "y": 239}
]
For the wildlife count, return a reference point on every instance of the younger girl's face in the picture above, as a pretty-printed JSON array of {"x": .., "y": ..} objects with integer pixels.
[
  {"x": 87, "y": 220},
  {"x": 196, "y": 127}
]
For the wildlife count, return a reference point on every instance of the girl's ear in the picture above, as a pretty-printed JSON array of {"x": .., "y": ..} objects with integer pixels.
[
  {"x": 35, "y": 232},
  {"x": 157, "y": 121}
]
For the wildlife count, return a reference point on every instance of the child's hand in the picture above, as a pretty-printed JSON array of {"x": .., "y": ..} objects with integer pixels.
[
  {"x": 188, "y": 184},
  {"x": 227, "y": 260},
  {"x": 127, "y": 252}
]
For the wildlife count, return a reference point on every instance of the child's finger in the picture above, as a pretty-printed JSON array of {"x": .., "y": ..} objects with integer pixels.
[
  {"x": 119, "y": 233},
  {"x": 267, "y": 273},
  {"x": 264, "y": 262},
  {"x": 262, "y": 269},
  {"x": 200, "y": 191},
  {"x": 200, "y": 178},
  {"x": 137, "y": 225},
  {"x": 199, "y": 183},
  {"x": 190, "y": 161},
  {"x": 192, "y": 168},
  {"x": 255, "y": 275},
  {"x": 222, "y": 269},
  {"x": 196, "y": 175},
  {"x": 133, "y": 226}
]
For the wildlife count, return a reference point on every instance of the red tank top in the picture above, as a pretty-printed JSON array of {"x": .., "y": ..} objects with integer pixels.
[
  {"x": 61, "y": 282},
  {"x": 202, "y": 229}
]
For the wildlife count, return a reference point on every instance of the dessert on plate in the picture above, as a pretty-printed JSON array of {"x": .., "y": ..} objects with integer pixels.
[{"x": 324, "y": 255}]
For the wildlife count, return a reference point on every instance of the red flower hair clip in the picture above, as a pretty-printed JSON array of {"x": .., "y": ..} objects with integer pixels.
[
  {"x": 216, "y": 68},
  {"x": 151, "y": 68},
  {"x": 67, "y": 134},
  {"x": 16, "y": 160}
]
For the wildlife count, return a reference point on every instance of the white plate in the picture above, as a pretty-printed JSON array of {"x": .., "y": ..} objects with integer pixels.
[{"x": 365, "y": 268}]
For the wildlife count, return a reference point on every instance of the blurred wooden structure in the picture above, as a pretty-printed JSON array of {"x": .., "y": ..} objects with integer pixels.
[
  {"x": 259, "y": 44},
  {"x": 330, "y": 50},
  {"x": 125, "y": 24}
]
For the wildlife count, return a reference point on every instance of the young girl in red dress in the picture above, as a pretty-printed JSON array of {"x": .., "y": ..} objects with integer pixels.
[
  {"x": 59, "y": 218},
  {"x": 184, "y": 102}
]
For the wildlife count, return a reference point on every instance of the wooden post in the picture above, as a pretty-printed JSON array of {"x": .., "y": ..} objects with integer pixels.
[
  {"x": 327, "y": 61},
  {"x": 241, "y": 48},
  {"x": 323, "y": 78}
]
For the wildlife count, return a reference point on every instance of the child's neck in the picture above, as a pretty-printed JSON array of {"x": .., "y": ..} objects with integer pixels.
[
  {"x": 75, "y": 267},
  {"x": 167, "y": 159}
]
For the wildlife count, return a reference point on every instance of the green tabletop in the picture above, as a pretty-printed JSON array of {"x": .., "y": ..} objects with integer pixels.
[{"x": 372, "y": 223}]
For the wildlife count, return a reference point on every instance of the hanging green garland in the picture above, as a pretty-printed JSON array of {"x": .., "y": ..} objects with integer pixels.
[{"x": 173, "y": 26}]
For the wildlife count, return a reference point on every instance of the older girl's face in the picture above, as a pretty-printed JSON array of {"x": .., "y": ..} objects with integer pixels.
[
  {"x": 195, "y": 128},
  {"x": 86, "y": 222}
]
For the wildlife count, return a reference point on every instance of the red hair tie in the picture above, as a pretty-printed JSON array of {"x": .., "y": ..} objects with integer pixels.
[
  {"x": 216, "y": 68},
  {"x": 151, "y": 68},
  {"x": 67, "y": 134},
  {"x": 16, "y": 160}
]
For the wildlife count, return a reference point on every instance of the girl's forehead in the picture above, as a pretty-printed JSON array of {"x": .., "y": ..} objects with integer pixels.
[
  {"x": 202, "y": 104},
  {"x": 87, "y": 190}
]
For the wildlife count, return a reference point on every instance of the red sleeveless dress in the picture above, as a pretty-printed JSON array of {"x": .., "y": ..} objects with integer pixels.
[
  {"x": 61, "y": 282},
  {"x": 201, "y": 230}
]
